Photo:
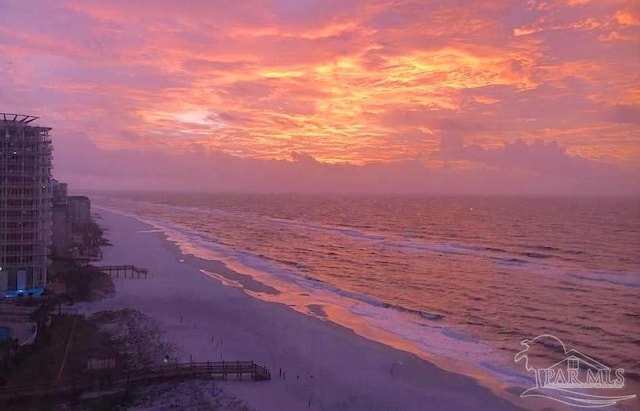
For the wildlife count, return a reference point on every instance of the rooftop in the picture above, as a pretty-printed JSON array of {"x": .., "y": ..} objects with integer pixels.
[
  {"x": 22, "y": 120},
  {"x": 18, "y": 118}
]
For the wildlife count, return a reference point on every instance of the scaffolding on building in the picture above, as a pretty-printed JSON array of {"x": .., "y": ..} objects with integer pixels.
[{"x": 25, "y": 202}]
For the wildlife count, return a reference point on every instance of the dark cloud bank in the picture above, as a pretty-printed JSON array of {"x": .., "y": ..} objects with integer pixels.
[{"x": 514, "y": 168}]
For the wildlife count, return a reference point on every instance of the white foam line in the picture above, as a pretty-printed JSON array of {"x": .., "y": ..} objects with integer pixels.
[{"x": 225, "y": 281}]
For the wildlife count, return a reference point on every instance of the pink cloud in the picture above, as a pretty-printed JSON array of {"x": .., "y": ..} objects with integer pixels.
[{"x": 359, "y": 83}]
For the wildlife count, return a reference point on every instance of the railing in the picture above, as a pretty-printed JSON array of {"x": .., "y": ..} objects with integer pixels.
[
  {"x": 104, "y": 379},
  {"x": 24, "y": 241},
  {"x": 39, "y": 252},
  {"x": 124, "y": 270},
  {"x": 30, "y": 229}
]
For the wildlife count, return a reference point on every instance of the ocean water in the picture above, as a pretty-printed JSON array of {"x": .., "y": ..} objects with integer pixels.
[{"x": 463, "y": 279}]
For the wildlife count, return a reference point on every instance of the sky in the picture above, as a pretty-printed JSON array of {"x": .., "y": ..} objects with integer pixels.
[{"x": 538, "y": 96}]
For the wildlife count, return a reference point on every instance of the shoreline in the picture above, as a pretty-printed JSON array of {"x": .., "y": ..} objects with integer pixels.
[
  {"x": 325, "y": 358},
  {"x": 292, "y": 291}
]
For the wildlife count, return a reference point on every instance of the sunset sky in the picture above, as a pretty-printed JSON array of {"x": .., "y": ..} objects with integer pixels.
[{"x": 352, "y": 95}]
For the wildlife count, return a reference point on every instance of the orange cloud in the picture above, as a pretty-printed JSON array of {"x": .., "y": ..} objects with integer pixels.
[
  {"x": 627, "y": 18},
  {"x": 345, "y": 81}
]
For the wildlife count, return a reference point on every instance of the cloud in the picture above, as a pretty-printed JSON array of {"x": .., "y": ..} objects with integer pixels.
[
  {"x": 543, "y": 158},
  {"x": 348, "y": 82},
  {"x": 303, "y": 158},
  {"x": 86, "y": 167},
  {"x": 623, "y": 114}
]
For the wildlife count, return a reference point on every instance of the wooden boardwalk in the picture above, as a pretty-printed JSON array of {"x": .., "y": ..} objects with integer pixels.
[
  {"x": 104, "y": 380},
  {"x": 127, "y": 271}
]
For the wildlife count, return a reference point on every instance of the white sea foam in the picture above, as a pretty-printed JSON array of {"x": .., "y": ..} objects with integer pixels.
[{"x": 629, "y": 279}]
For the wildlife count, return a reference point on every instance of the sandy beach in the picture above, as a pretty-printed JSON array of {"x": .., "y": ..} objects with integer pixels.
[{"x": 325, "y": 366}]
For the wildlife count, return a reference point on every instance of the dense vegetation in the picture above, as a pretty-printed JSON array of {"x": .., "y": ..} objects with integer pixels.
[{"x": 82, "y": 282}]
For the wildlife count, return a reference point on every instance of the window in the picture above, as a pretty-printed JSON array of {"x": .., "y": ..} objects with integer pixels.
[{"x": 573, "y": 364}]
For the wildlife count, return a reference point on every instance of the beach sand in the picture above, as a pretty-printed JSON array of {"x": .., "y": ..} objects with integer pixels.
[{"x": 327, "y": 366}]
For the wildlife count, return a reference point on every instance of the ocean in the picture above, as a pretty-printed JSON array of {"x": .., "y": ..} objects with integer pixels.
[{"x": 460, "y": 280}]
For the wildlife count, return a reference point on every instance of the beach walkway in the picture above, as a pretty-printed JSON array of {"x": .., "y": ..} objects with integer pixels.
[
  {"x": 104, "y": 380},
  {"x": 127, "y": 271}
]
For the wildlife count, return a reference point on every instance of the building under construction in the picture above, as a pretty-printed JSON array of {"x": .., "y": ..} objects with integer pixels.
[{"x": 25, "y": 202}]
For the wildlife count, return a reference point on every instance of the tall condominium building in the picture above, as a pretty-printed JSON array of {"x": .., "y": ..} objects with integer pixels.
[
  {"x": 79, "y": 210},
  {"x": 61, "y": 238},
  {"x": 25, "y": 202}
]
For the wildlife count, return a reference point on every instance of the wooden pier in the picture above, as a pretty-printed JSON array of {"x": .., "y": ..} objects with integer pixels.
[
  {"x": 127, "y": 271},
  {"x": 104, "y": 380}
]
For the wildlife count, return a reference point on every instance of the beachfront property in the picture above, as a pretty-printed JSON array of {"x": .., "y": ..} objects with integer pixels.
[
  {"x": 25, "y": 202},
  {"x": 79, "y": 210},
  {"x": 71, "y": 220},
  {"x": 79, "y": 226},
  {"x": 61, "y": 239}
]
